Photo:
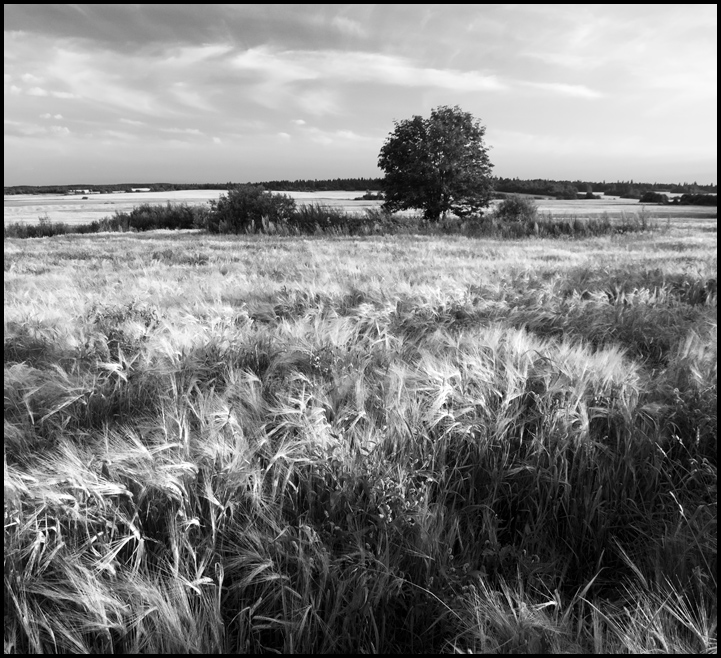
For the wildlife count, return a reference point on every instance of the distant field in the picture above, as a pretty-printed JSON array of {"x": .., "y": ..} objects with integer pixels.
[
  {"x": 386, "y": 444},
  {"x": 73, "y": 209}
]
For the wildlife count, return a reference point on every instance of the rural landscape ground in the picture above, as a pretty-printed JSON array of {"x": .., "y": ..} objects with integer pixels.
[
  {"x": 82, "y": 209},
  {"x": 407, "y": 443}
]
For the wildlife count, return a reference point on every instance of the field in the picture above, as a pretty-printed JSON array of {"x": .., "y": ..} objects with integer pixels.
[
  {"x": 380, "y": 444},
  {"x": 74, "y": 209}
]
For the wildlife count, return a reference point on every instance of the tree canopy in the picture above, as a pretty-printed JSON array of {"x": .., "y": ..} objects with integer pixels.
[{"x": 439, "y": 164}]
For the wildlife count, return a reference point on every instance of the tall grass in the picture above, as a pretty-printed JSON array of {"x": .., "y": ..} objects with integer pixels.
[
  {"x": 381, "y": 444},
  {"x": 319, "y": 219}
]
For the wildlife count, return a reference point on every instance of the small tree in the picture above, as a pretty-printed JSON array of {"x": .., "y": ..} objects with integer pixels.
[
  {"x": 439, "y": 164},
  {"x": 248, "y": 208},
  {"x": 515, "y": 208}
]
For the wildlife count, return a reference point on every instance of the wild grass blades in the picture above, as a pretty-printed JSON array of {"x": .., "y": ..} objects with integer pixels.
[{"x": 368, "y": 443}]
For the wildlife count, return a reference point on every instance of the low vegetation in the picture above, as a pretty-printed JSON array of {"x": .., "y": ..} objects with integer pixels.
[
  {"x": 380, "y": 443},
  {"x": 249, "y": 209}
]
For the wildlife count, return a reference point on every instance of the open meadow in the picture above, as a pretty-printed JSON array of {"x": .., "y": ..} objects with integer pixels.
[{"x": 396, "y": 444}]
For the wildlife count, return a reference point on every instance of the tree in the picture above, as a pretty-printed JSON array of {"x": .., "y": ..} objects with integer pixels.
[{"x": 438, "y": 164}]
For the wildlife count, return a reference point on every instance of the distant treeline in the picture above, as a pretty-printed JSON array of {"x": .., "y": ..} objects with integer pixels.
[
  {"x": 572, "y": 189},
  {"x": 538, "y": 186},
  {"x": 109, "y": 188},
  {"x": 345, "y": 184},
  {"x": 683, "y": 200}
]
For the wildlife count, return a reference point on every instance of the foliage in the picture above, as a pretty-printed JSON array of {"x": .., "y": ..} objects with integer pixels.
[
  {"x": 304, "y": 185},
  {"x": 517, "y": 209},
  {"x": 247, "y": 209},
  {"x": 439, "y": 165},
  {"x": 43, "y": 229},
  {"x": 697, "y": 200},
  {"x": 654, "y": 197},
  {"x": 370, "y": 196},
  {"x": 147, "y": 217},
  {"x": 514, "y": 221}
]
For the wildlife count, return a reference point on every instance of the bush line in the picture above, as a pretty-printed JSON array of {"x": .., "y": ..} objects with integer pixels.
[{"x": 248, "y": 211}]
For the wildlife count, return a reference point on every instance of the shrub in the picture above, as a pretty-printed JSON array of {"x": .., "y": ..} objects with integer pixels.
[
  {"x": 566, "y": 191},
  {"x": 654, "y": 197},
  {"x": 45, "y": 228},
  {"x": 249, "y": 208},
  {"x": 517, "y": 209},
  {"x": 697, "y": 200},
  {"x": 147, "y": 217},
  {"x": 370, "y": 196}
]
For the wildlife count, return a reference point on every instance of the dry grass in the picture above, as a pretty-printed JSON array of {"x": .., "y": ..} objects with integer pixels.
[{"x": 392, "y": 444}]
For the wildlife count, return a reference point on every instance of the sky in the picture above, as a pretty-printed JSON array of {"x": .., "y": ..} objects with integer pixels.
[{"x": 245, "y": 93}]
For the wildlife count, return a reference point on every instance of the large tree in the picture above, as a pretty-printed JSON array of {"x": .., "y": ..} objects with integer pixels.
[{"x": 438, "y": 164}]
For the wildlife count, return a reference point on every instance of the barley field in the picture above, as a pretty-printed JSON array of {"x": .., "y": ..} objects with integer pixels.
[{"x": 397, "y": 444}]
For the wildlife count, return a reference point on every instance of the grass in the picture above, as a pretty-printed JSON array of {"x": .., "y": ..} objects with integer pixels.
[
  {"x": 514, "y": 218},
  {"x": 411, "y": 443}
]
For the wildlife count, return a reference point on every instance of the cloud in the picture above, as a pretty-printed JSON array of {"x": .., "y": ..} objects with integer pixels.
[
  {"x": 23, "y": 128},
  {"x": 562, "y": 89},
  {"x": 674, "y": 52},
  {"x": 60, "y": 130},
  {"x": 119, "y": 135},
  {"x": 600, "y": 144},
  {"x": 284, "y": 135},
  {"x": 348, "y": 26},
  {"x": 318, "y": 102},
  {"x": 182, "y": 131},
  {"x": 298, "y": 122},
  {"x": 47, "y": 115},
  {"x": 317, "y": 82},
  {"x": 132, "y": 122},
  {"x": 340, "y": 137},
  {"x": 191, "y": 55},
  {"x": 286, "y": 66},
  {"x": 217, "y": 140},
  {"x": 36, "y": 91}
]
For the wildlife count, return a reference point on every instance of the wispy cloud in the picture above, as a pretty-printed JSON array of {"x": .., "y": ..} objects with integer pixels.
[
  {"x": 28, "y": 129},
  {"x": 182, "y": 131},
  {"x": 349, "y": 26},
  {"x": 563, "y": 89},
  {"x": 342, "y": 137},
  {"x": 285, "y": 66}
]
